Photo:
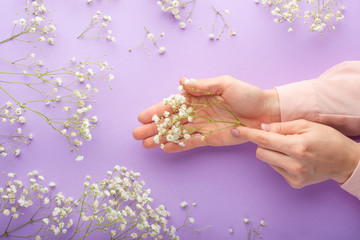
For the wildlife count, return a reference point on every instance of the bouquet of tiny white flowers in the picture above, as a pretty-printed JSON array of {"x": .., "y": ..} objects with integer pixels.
[
  {"x": 177, "y": 8},
  {"x": 117, "y": 206},
  {"x": 172, "y": 125},
  {"x": 35, "y": 22},
  {"x": 321, "y": 15},
  {"x": 70, "y": 87}
]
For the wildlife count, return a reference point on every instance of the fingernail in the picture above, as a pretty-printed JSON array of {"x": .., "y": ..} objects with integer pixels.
[
  {"x": 235, "y": 132},
  {"x": 265, "y": 127}
]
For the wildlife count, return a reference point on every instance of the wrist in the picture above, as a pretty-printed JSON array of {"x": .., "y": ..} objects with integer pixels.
[
  {"x": 272, "y": 105},
  {"x": 350, "y": 163}
]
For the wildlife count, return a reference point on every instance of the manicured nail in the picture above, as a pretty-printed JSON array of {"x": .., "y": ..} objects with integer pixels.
[
  {"x": 235, "y": 132},
  {"x": 265, "y": 127}
]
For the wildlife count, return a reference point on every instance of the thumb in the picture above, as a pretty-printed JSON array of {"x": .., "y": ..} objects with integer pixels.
[
  {"x": 287, "y": 128},
  {"x": 206, "y": 86}
]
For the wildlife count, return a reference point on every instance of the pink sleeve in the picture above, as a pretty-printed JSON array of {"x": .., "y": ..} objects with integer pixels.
[{"x": 332, "y": 99}]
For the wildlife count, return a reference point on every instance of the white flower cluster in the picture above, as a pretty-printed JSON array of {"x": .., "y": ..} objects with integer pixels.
[
  {"x": 175, "y": 7},
  {"x": 171, "y": 125},
  {"x": 216, "y": 33},
  {"x": 321, "y": 14},
  {"x": 10, "y": 142},
  {"x": 100, "y": 22},
  {"x": 35, "y": 22},
  {"x": 90, "y": 2},
  {"x": 150, "y": 36},
  {"x": 70, "y": 88},
  {"x": 117, "y": 206}
]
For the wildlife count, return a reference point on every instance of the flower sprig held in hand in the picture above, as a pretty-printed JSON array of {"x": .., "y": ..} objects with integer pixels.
[{"x": 186, "y": 118}]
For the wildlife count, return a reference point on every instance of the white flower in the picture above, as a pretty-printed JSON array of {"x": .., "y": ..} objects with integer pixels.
[
  {"x": 94, "y": 119},
  {"x": 22, "y": 21},
  {"x": 182, "y": 25},
  {"x": 46, "y": 201},
  {"x": 51, "y": 41},
  {"x": 6, "y": 212},
  {"x": 90, "y": 71},
  {"x": 79, "y": 158},
  {"x": 183, "y": 204},
  {"x": 17, "y": 152},
  {"x": 262, "y": 223},
  {"x": 58, "y": 81},
  {"x": 150, "y": 36},
  {"x": 191, "y": 220},
  {"x": 246, "y": 220},
  {"x": 162, "y": 50},
  {"x": 52, "y": 184},
  {"x": 11, "y": 175},
  {"x": 231, "y": 230},
  {"x": 211, "y": 36},
  {"x": 41, "y": 39},
  {"x": 111, "y": 77},
  {"x": 22, "y": 119}
]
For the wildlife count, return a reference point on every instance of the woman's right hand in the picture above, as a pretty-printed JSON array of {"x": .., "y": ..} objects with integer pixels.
[{"x": 251, "y": 105}]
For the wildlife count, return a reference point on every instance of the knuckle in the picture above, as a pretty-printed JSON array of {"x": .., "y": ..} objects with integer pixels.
[
  {"x": 259, "y": 153},
  {"x": 297, "y": 183},
  {"x": 262, "y": 140},
  {"x": 300, "y": 149},
  {"x": 299, "y": 170}
]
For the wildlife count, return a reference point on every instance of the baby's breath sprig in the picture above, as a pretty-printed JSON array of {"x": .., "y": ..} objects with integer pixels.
[
  {"x": 70, "y": 87},
  {"x": 216, "y": 34},
  {"x": 118, "y": 206},
  {"x": 90, "y": 2},
  {"x": 252, "y": 231},
  {"x": 99, "y": 22},
  {"x": 35, "y": 23},
  {"x": 15, "y": 137},
  {"x": 321, "y": 14},
  {"x": 177, "y": 8},
  {"x": 150, "y": 36},
  {"x": 172, "y": 125}
]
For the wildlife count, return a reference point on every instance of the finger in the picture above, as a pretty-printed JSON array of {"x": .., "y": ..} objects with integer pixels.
[
  {"x": 145, "y": 131},
  {"x": 194, "y": 142},
  {"x": 274, "y": 158},
  {"x": 268, "y": 140},
  {"x": 206, "y": 86},
  {"x": 287, "y": 128},
  {"x": 150, "y": 143},
  {"x": 159, "y": 109},
  {"x": 288, "y": 178}
]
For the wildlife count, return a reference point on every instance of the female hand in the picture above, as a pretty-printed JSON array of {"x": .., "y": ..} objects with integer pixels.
[
  {"x": 304, "y": 152},
  {"x": 249, "y": 104}
]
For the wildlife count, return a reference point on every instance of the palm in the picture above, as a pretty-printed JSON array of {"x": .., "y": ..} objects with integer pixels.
[
  {"x": 220, "y": 104},
  {"x": 222, "y": 113}
]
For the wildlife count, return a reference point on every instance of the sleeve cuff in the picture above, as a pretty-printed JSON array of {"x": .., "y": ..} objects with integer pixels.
[
  {"x": 298, "y": 101},
  {"x": 352, "y": 185}
]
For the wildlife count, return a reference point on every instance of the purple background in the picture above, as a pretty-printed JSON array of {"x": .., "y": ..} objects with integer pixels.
[{"x": 228, "y": 183}]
